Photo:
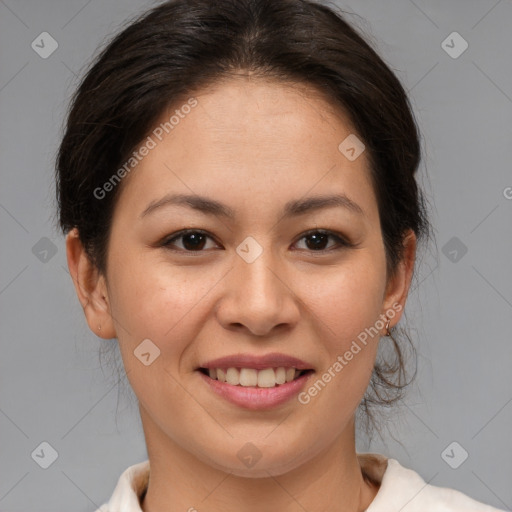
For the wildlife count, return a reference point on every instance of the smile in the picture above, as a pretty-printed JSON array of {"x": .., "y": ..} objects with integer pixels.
[{"x": 251, "y": 377}]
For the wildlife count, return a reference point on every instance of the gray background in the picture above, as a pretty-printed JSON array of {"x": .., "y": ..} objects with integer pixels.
[{"x": 52, "y": 386}]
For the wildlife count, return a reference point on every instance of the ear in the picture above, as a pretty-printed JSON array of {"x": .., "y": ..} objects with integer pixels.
[
  {"x": 398, "y": 284},
  {"x": 90, "y": 287}
]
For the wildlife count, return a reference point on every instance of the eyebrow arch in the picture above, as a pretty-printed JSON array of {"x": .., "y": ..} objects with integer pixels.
[{"x": 291, "y": 208}]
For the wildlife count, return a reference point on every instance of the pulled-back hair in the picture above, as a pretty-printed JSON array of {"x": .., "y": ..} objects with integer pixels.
[{"x": 181, "y": 46}]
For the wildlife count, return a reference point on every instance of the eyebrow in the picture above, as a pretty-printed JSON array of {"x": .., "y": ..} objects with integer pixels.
[{"x": 291, "y": 208}]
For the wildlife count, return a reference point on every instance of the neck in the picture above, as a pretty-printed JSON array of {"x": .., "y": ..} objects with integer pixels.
[{"x": 331, "y": 481}]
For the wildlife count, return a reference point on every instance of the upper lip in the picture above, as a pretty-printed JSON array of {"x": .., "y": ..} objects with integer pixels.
[{"x": 273, "y": 360}]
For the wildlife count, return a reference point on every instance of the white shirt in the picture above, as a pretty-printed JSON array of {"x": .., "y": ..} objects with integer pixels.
[{"x": 401, "y": 489}]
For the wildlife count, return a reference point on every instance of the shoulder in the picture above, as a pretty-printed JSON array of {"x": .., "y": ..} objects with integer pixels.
[{"x": 404, "y": 489}]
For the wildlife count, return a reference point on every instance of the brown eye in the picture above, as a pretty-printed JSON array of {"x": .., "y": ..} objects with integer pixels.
[
  {"x": 317, "y": 241},
  {"x": 192, "y": 240},
  {"x": 196, "y": 241}
]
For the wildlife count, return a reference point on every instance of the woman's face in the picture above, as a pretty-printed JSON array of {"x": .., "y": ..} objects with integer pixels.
[{"x": 255, "y": 283}]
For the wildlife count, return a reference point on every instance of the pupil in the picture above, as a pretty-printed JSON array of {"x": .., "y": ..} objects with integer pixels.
[
  {"x": 318, "y": 239},
  {"x": 197, "y": 241}
]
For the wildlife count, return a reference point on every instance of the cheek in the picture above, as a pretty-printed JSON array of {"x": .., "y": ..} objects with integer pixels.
[
  {"x": 344, "y": 308},
  {"x": 158, "y": 301},
  {"x": 347, "y": 300}
]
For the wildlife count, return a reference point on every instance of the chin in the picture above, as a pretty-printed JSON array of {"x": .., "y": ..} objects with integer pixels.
[{"x": 255, "y": 460}]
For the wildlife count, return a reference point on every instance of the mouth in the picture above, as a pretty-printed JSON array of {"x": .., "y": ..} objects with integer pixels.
[
  {"x": 256, "y": 381},
  {"x": 255, "y": 378}
]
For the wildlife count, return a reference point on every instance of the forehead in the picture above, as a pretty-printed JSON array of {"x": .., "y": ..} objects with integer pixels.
[{"x": 262, "y": 141}]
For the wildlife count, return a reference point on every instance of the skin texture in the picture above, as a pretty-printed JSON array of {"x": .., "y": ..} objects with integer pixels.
[{"x": 254, "y": 145}]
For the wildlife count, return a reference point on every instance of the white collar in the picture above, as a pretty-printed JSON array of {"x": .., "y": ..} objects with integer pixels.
[{"x": 400, "y": 489}]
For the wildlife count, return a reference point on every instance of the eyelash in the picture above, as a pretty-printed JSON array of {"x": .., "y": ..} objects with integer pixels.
[{"x": 342, "y": 242}]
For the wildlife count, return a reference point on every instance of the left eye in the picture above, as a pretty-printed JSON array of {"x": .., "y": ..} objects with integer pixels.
[
  {"x": 195, "y": 240},
  {"x": 318, "y": 239}
]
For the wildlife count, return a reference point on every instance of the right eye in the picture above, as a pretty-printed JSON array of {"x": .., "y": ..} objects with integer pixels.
[{"x": 193, "y": 240}]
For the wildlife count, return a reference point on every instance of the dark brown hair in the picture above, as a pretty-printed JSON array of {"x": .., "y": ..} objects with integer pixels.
[{"x": 184, "y": 45}]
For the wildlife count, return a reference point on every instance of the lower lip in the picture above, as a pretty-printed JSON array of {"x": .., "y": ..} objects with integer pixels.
[{"x": 255, "y": 398}]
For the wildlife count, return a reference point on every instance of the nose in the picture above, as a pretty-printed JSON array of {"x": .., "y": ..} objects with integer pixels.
[{"x": 258, "y": 297}]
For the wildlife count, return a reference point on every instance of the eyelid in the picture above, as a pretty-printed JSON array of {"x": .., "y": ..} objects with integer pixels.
[
  {"x": 166, "y": 242},
  {"x": 342, "y": 241}
]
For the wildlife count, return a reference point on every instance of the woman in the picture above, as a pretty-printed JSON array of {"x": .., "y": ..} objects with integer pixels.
[{"x": 237, "y": 185}]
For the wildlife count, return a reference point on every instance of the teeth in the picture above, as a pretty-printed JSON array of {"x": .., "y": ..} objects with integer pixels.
[
  {"x": 233, "y": 376},
  {"x": 267, "y": 378},
  {"x": 248, "y": 376},
  {"x": 281, "y": 375}
]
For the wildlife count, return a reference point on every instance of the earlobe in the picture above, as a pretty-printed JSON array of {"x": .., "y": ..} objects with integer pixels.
[
  {"x": 397, "y": 288},
  {"x": 90, "y": 287}
]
